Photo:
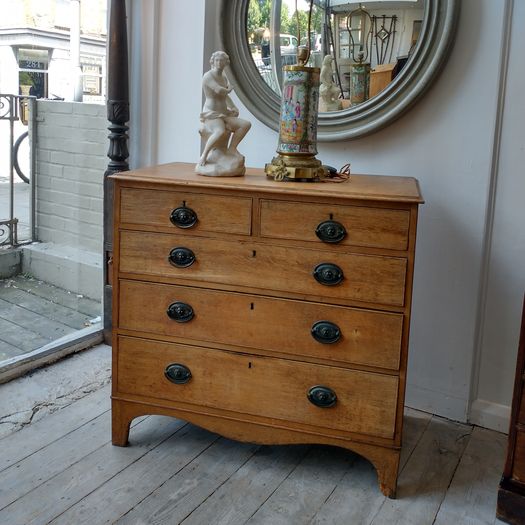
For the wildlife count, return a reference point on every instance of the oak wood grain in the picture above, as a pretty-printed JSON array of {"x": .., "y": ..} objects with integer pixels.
[
  {"x": 276, "y": 388},
  {"x": 257, "y": 265},
  {"x": 255, "y": 300},
  {"x": 367, "y": 337},
  {"x": 365, "y": 226},
  {"x": 215, "y": 213},
  {"x": 362, "y": 187}
]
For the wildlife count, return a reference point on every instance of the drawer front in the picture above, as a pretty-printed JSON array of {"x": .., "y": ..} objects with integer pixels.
[
  {"x": 213, "y": 213},
  {"x": 267, "y": 387},
  {"x": 365, "y": 337},
  {"x": 369, "y": 278},
  {"x": 361, "y": 226}
]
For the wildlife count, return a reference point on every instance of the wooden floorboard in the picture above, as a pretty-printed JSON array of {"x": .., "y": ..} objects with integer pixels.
[
  {"x": 240, "y": 496},
  {"x": 24, "y": 476},
  {"x": 61, "y": 491},
  {"x": 113, "y": 498},
  {"x": 424, "y": 480},
  {"x": 471, "y": 497},
  {"x": 57, "y": 295},
  {"x": 63, "y": 470},
  {"x": 7, "y": 350},
  {"x": 42, "y": 306},
  {"x": 308, "y": 486},
  {"x": 188, "y": 488},
  {"x": 33, "y": 438},
  {"x": 356, "y": 498},
  {"x": 38, "y": 323},
  {"x": 34, "y": 313},
  {"x": 13, "y": 342}
]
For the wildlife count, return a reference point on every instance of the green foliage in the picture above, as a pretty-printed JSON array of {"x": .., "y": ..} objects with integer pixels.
[
  {"x": 259, "y": 19},
  {"x": 24, "y": 78},
  {"x": 265, "y": 6},
  {"x": 254, "y": 16}
]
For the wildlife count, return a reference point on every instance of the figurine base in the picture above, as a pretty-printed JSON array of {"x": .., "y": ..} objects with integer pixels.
[{"x": 220, "y": 163}]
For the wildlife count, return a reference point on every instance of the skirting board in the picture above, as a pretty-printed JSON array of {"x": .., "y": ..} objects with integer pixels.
[
  {"x": 482, "y": 413},
  {"x": 490, "y": 415},
  {"x": 435, "y": 402}
]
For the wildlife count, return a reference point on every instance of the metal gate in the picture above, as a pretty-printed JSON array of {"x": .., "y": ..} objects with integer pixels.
[{"x": 19, "y": 115}]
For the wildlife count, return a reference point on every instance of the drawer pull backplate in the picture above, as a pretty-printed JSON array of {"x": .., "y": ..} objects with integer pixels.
[
  {"x": 181, "y": 257},
  {"x": 330, "y": 231},
  {"x": 326, "y": 332},
  {"x": 177, "y": 373},
  {"x": 183, "y": 217},
  {"x": 328, "y": 274},
  {"x": 180, "y": 312},
  {"x": 322, "y": 396}
]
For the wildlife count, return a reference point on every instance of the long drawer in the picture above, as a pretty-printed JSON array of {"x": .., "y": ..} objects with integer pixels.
[
  {"x": 261, "y": 386},
  {"x": 370, "y": 278},
  {"x": 332, "y": 333}
]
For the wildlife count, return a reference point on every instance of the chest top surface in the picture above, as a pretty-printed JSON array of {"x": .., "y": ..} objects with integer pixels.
[{"x": 362, "y": 187}]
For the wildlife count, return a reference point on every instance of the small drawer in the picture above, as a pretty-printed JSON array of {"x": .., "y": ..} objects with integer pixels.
[
  {"x": 344, "y": 225},
  {"x": 368, "y": 278},
  {"x": 169, "y": 209},
  {"x": 260, "y": 386},
  {"x": 354, "y": 336}
]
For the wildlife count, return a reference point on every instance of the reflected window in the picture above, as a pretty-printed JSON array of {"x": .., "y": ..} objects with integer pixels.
[
  {"x": 91, "y": 79},
  {"x": 33, "y": 71}
]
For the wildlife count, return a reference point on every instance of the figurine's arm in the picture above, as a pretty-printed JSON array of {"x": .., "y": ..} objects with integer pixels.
[{"x": 231, "y": 106}]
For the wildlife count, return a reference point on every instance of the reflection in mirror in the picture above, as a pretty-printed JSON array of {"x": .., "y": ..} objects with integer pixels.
[{"x": 368, "y": 43}]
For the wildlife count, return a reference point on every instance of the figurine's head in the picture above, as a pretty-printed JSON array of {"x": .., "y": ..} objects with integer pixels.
[
  {"x": 327, "y": 60},
  {"x": 219, "y": 59}
]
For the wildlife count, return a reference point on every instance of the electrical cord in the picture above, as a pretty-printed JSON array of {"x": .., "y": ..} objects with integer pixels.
[{"x": 343, "y": 175}]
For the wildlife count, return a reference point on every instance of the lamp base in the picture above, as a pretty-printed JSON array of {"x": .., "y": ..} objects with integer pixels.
[{"x": 295, "y": 168}]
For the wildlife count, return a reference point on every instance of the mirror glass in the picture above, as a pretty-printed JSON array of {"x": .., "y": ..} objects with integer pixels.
[
  {"x": 369, "y": 43},
  {"x": 377, "y": 58}
]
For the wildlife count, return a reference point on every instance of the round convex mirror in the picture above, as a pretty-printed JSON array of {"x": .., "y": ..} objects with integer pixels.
[{"x": 376, "y": 58}]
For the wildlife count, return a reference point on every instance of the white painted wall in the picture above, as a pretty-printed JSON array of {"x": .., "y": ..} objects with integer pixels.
[
  {"x": 504, "y": 282},
  {"x": 446, "y": 141},
  {"x": 165, "y": 100}
]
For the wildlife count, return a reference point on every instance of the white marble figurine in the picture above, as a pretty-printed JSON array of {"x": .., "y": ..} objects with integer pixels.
[
  {"x": 328, "y": 91},
  {"x": 221, "y": 128}
]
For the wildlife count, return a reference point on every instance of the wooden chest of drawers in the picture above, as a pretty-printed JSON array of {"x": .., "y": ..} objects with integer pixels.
[
  {"x": 267, "y": 312},
  {"x": 511, "y": 494}
]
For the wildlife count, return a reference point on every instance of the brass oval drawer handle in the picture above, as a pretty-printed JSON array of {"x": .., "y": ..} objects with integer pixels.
[
  {"x": 328, "y": 274},
  {"x": 177, "y": 373},
  {"x": 181, "y": 257},
  {"x": 183, "y": 217},
  {"x": 326, "y": 332},
  {"x": 180, "y": 312},
  {"x": 322, "y": 396},
  {"x": 330, "y": 231}
]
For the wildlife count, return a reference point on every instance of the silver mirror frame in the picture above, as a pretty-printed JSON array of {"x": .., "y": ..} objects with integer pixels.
[{"x": 432, "y": 49}]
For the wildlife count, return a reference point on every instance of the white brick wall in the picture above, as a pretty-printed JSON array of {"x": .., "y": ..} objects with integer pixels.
[{"x": 71, "y": 159}]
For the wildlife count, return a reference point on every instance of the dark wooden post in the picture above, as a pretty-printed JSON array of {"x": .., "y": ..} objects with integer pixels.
[{"x": 118, "y": 115}]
